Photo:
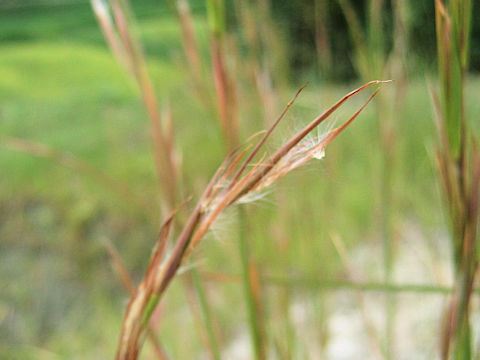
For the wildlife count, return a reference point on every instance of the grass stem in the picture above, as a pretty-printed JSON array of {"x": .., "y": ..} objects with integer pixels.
[
  {"x": 251, "y": 289},
  {"x": 206, "y": 313}
]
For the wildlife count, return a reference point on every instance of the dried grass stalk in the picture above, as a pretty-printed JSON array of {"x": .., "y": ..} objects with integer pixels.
[{"x": 117, "y": 26}]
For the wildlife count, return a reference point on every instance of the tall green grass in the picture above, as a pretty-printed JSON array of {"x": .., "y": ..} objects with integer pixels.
[
  {"x": 372, "y": 59},
  {"x": 458, "y": 161},
  {"x": 254, "y": 276}
]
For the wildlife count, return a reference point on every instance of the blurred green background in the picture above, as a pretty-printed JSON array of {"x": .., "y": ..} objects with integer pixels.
[{"x": 61, "y": 86}]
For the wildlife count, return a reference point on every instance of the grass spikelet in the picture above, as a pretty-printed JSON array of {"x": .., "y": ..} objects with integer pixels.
[
  {"x": 127, "y": 281},
  {"x": 210, "y": 205}
]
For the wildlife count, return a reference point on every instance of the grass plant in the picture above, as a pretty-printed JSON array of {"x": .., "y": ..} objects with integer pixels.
[
  {"x": 224, "y": 86},
  {"x": 116, "y": 22},
  {"x": 228, "y": 186},
  {"x": 458, "y": 161},
  {"x": 118, "y": 30},
  {"x": 240, "y": 82},
  {"x": 252, "y": 289},
  {"x": 373, "y": 60}
]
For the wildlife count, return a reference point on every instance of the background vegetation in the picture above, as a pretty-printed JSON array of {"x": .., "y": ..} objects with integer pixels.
[{"x": 315, "y": 240}]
